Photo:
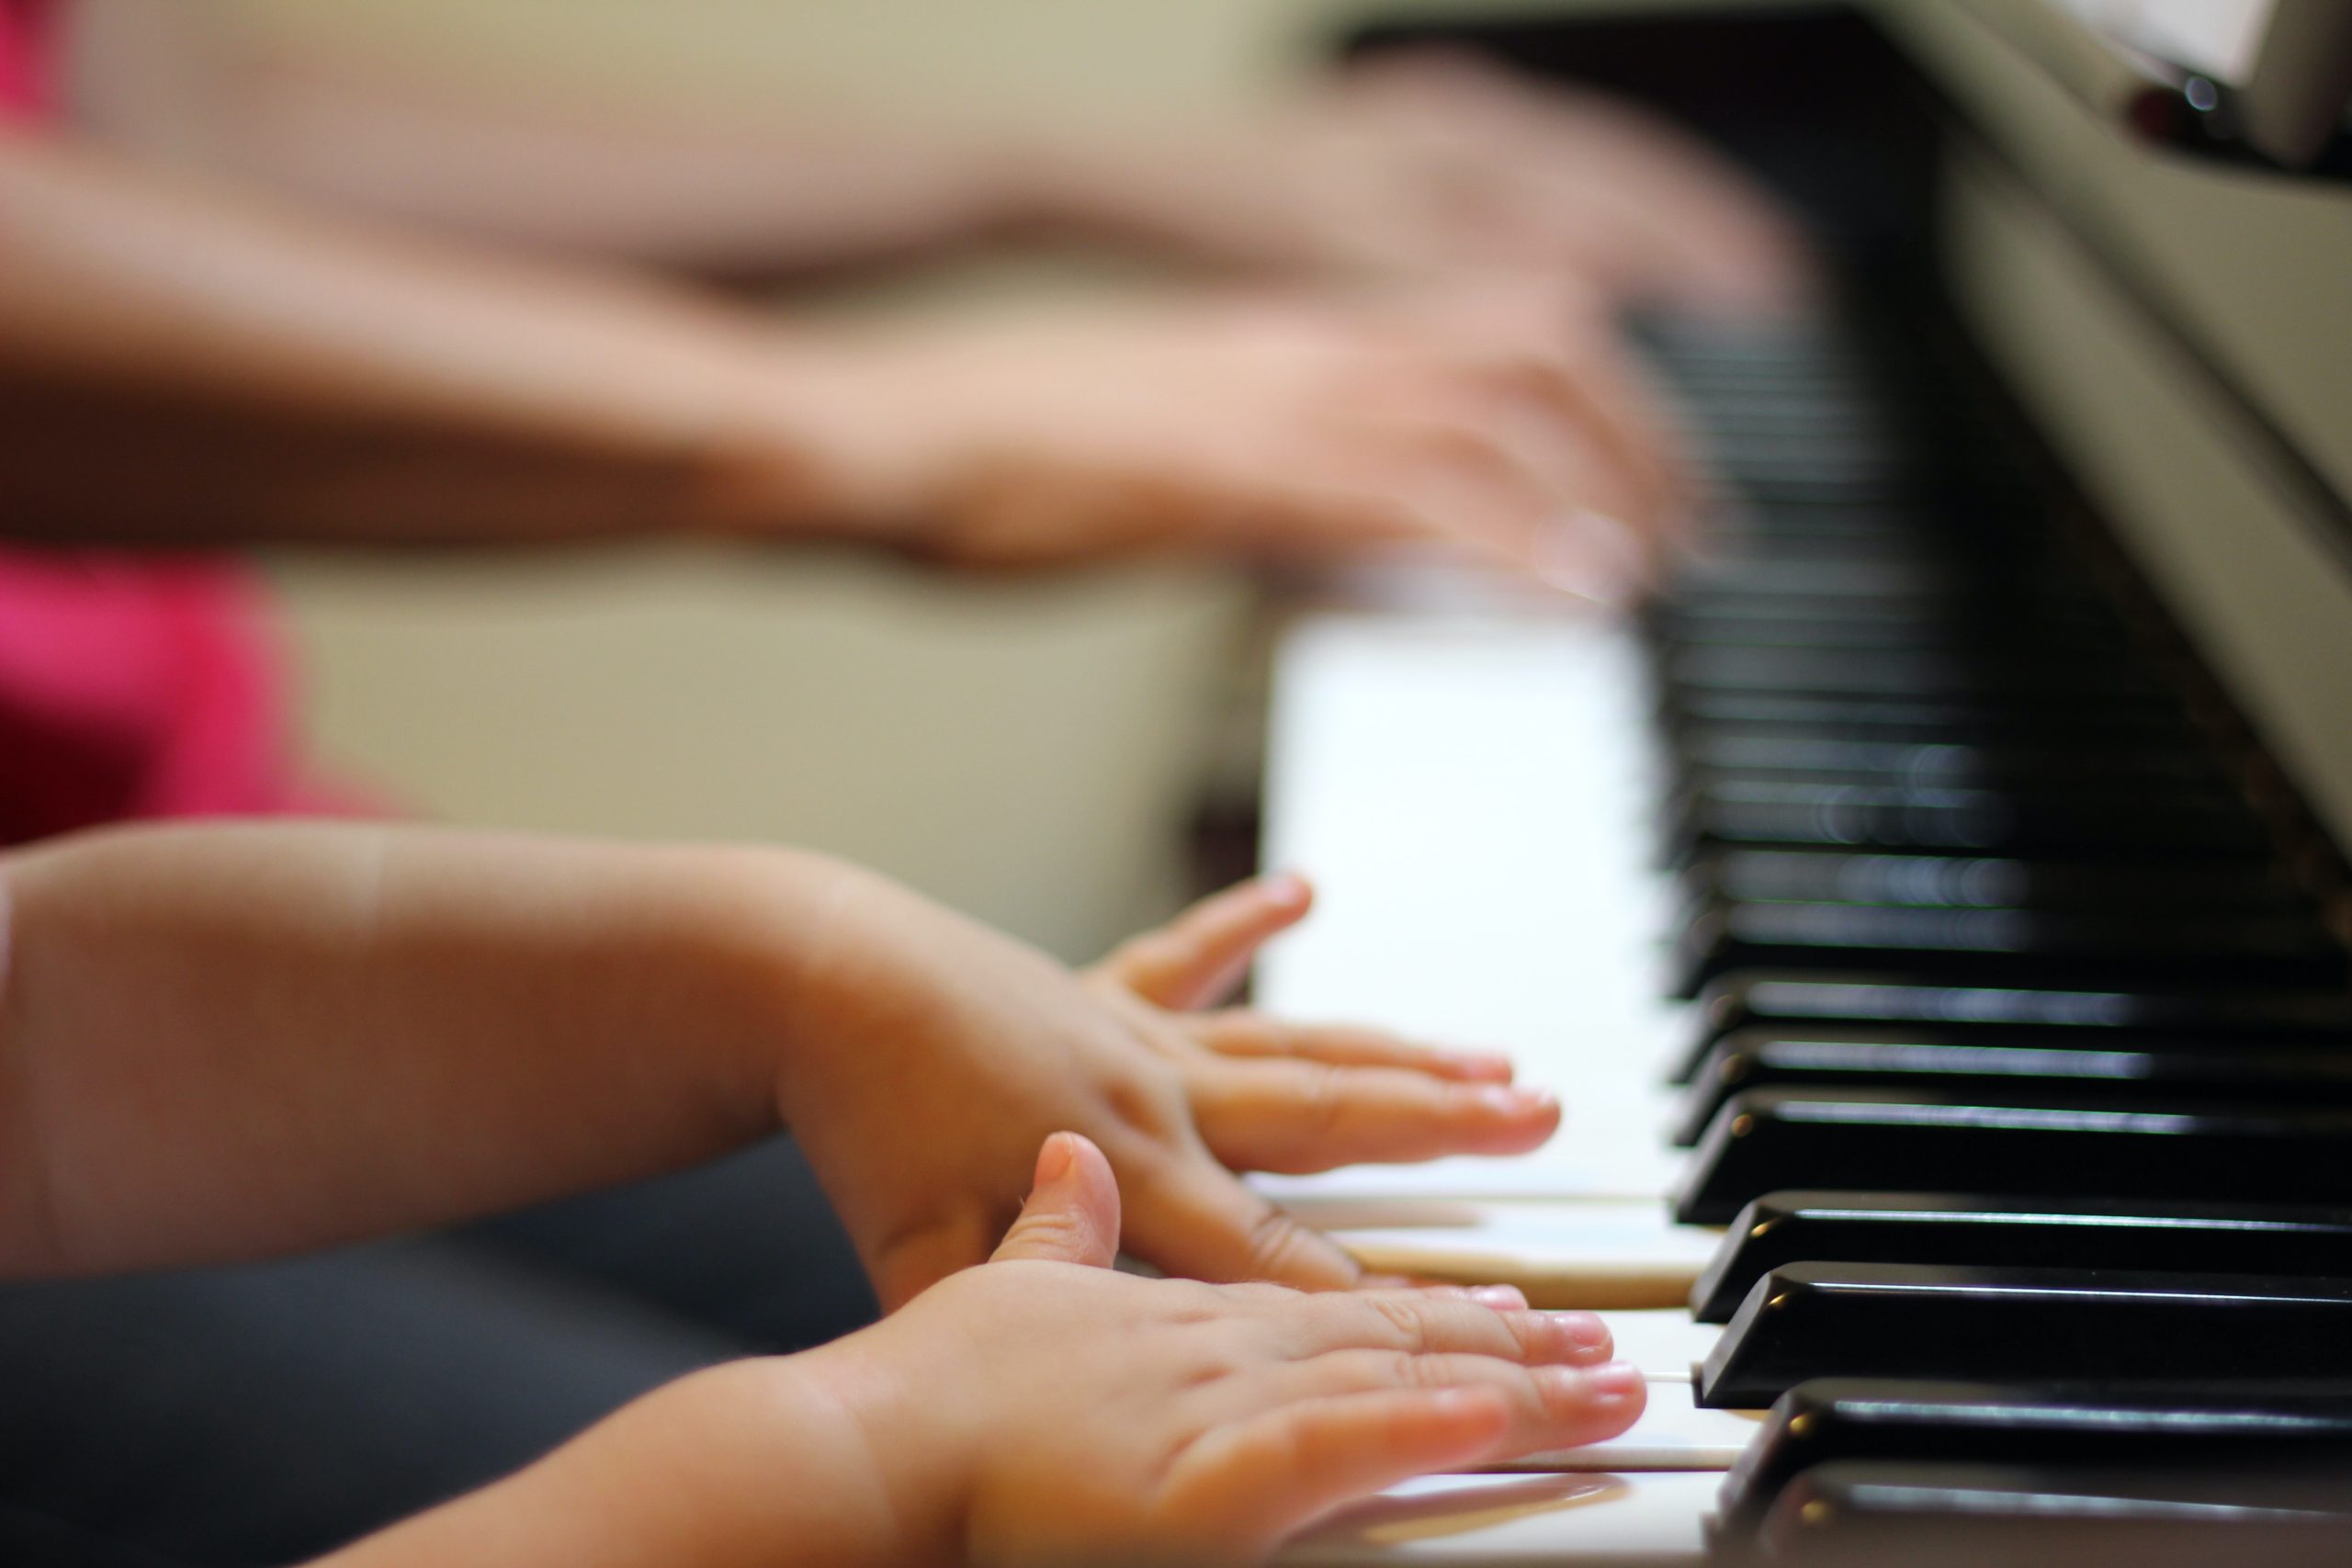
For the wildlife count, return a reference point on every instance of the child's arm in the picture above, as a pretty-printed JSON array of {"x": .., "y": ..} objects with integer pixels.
[
  {"x": 1043, "y": 1409},
  {"x": 227, "y": 1040}
]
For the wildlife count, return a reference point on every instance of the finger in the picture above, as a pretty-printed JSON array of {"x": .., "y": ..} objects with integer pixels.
[
  {"x": 1426, "y": 1322},
  {"x": 1549, "y": 349},
  {"x": 1296, "y": 1116},
  {"x": 1201, "y": 955},
  {"x": 1240, "y": 1032},
  {"x": 1267, "y": 1475},
  {"x": 1199, "y": 1220},
  {"x": 1599, "y": 396},
  {"x": 1072, "y": 1213},
  {"x": 1552, "y": 1405}
]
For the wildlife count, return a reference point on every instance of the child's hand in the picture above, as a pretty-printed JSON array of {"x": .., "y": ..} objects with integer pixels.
[
  {"x": 1043, "y": 1409},
  {"x": 932, "y": 1056}
]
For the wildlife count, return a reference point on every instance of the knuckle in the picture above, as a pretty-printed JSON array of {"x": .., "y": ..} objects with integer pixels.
[
  {"x": 1405, "y": 1324},
  {"x": 1321, "y": 1097},
  {"x": 1411, "y": 1369},
  {"x": 1277, "y": 1244}
]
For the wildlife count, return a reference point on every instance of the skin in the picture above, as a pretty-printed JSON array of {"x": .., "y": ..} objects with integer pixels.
[
  {"x": 1042, "y": 1409},
  {"x": 1422, "y": 161},
  {"x": 232, "y": 1041},
  {"x": 193, "y": 366},
  {"x": 404, "y": 313}
]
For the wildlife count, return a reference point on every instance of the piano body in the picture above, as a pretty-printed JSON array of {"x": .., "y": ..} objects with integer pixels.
[{"x": 1932, "y": 910}]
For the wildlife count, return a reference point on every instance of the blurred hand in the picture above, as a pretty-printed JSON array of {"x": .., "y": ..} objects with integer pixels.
[
  {"x": 1501, "y": 425},
  {"x": 930, "y": 1056},
  {"x": 1044, "y": 1410},
  {"x": 1434, "y": 161}
]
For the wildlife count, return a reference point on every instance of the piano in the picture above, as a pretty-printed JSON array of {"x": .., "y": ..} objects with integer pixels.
[{"x": 1932, "y": 906}]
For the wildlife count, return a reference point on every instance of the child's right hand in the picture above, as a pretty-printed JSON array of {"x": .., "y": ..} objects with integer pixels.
[{"x": 1043, "y": 1409}]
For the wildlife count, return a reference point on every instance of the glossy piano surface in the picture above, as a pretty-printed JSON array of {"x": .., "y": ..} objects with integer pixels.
[
  {"x": 1781, "y": 1228},
  {"x": 1904, "y": 825},
  {"x": 1835, "y": 1419},
  {"x": 2244, "y": 1334}
]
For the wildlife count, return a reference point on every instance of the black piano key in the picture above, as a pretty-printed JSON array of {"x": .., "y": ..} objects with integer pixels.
[
  {"x": 1781, "y": 1228},
  {"x": 1831, "y": 1419},
  {"x": 2006, "y": 946},
  {"x": 1853, "y": 1513},
  {"x": 1768, "y": 1140},
  {"x": 1914, "y": 673},
  {"x": 1826, "y": 576},
  {"x": 2013, "y": 1073},
  {"x": 1949, "y": 1323},
  {"x": 1983, "y": 882},
  {"x": 1956, "y": 720},
  {"x": 2092, "y": 823},
  {"x": 1770, "y": 998}
]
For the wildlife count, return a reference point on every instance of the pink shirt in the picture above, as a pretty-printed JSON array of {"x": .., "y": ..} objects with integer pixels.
[{"x": 130, "y": 686}]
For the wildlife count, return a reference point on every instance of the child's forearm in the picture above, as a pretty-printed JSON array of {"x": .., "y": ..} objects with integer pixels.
[
  {"x": 724, "y": 1469},
  {"x": 237, "y": 1040}
]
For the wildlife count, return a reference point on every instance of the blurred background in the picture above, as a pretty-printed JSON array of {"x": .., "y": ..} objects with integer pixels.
[{"x": 1031, "y": 753}]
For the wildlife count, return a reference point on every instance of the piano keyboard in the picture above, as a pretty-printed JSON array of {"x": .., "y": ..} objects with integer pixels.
[{"x": 1952, "y": 1069}]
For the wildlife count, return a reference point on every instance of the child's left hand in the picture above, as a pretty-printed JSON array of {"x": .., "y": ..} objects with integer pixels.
[{"x": 930, "y": 1056}]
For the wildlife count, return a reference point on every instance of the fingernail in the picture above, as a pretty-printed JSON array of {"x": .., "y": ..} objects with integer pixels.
[
  {"x": 1615, "y": 1383},
  {"x": 1502, "y": 1298},
  {"x": 1509, "y": 1100},
  {"x": 1290, "y": 886},
  {"x": 1053, "y": 1161},
  {"x": 1486, "y": 1064},
  {"x": 1592, "y": 556},
  {"x": 1587, "y": 1337}
]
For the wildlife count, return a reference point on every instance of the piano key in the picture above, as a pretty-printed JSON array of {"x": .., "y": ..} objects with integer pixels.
[
  {"x": 1807, "y": 875},
  {"x": 1865, "y": 1511},
  {"x": 2025, "y": 1070},
  {"x": 1586, "y": 1253},
  {"x": 1667, "y": 1344},
  {"x": 1831, "y": 1419},
  {"x": 2086, "y": 822},
  {"x": 1781, "y": 1228},
  {"x": 1769, "y": 998},
  {"x": 2005, "y": 946},
  {"x": 1491, "y": 891},
  {"x": 1779, "y": 624},
  {"x": 1907, "y": 676},
  {"x": 1959, "y": 720},
  {"x": 1673, "y": 1432},
  {"x": 2238, "y": 1334},
  {"x": 1628, "y": 1520},
  {"x": 1770, "y": 1140}
]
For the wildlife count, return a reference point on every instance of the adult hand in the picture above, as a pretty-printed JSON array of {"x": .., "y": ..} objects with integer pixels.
[
  {"x": 1501, "y": 425},
  {"x": 1435, "y": 161}
]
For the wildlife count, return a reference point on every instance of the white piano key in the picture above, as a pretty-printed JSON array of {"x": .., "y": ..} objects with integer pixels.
[
  {"x": 1674, "y": 1432},
  {"x": 1586, "y": 1253},
  {"x": 1664, "y": 1342},
  {"x": 1474, "y": 796},
  {"x": 1639, "y": 1521}
]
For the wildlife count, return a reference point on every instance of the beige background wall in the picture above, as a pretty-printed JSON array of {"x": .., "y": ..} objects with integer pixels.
[{"x": 1028, "y": 754}]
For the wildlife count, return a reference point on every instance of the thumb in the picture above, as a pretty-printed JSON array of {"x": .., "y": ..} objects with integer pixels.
[{"x": 1072, "y": 1212}]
